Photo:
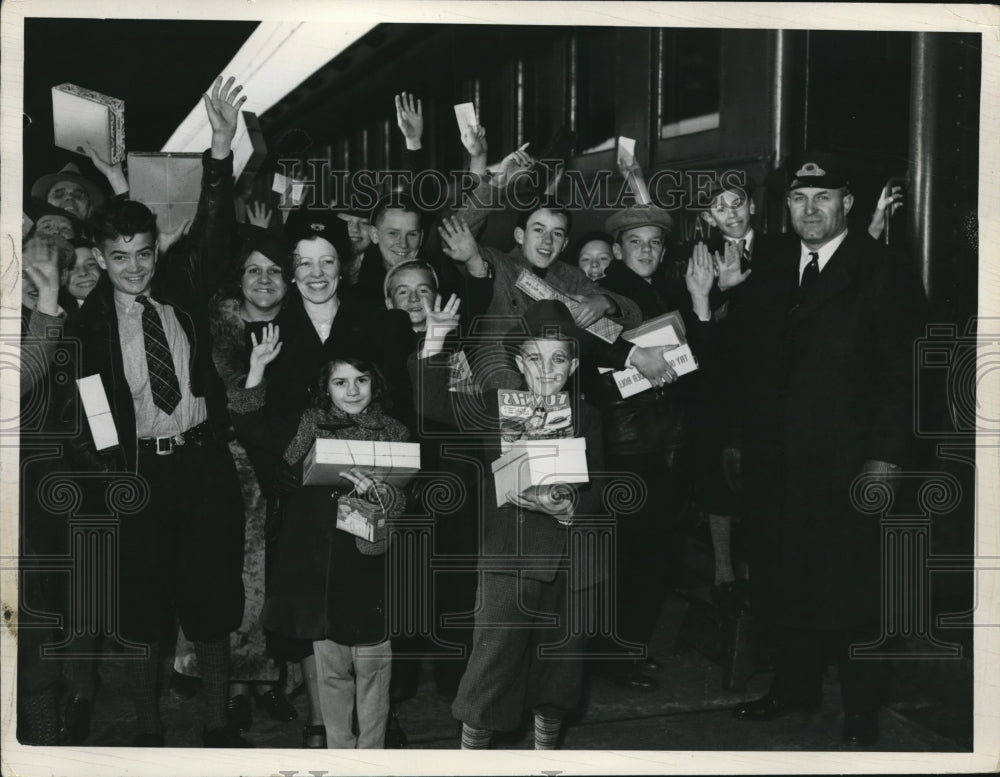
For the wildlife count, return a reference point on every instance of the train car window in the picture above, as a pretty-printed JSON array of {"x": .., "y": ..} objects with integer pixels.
[
  {"x": 341, "y": 154},
  {"x": 383, "y": 159},
  {"x": 538, "y": 93},
  {"x": 495, "y": 91},
  {"x": 360, "y": 150},
  {"x": 689, "y": 68},
  {"x": 593, "y": 87}
]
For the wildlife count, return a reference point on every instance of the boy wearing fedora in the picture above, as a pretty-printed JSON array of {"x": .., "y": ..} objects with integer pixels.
[
  {"x": 69, "y": 190},
  {"x": 526, "y": 651}
]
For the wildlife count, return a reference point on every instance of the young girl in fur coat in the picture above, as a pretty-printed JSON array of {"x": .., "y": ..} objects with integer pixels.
[{"x": 329, "y": 586}]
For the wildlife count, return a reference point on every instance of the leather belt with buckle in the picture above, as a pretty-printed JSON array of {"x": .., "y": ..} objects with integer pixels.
[{"x": 164, "y": 446}]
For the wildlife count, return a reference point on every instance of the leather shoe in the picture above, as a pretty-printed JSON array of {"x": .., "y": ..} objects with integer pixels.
[
  {"x": 314, "y": 737},
  {"x": 76, "y": 720},
  {"x": 148, "y": 740},
  {"x": 771, "y": 707},
  {"x": 277, "y": 706},
  {"x": 238, "y": 714},
  {"x": 223, "y": 737},
  {"x": 860, "y": 730}
]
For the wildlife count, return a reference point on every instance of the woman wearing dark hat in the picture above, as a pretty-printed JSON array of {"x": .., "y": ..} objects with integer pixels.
[
  {"x": 317, "y": 318},
  {"x": 315, "y": 322}
]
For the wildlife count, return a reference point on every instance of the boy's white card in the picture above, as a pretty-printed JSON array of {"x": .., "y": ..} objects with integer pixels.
[
  {"x": 98, "y": 412},
  {"x": 465, "y": 114},
  {"x": 291, "y": 191}
]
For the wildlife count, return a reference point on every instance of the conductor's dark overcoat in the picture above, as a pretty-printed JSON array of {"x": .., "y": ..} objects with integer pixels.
[{"x": 827, "y": 383}]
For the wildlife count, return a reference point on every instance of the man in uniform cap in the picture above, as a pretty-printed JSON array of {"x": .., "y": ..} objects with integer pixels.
[{"x": 826, "y": 386}]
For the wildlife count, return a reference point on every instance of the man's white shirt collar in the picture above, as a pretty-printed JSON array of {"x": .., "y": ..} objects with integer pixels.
[{"x": 825, "y": 252}]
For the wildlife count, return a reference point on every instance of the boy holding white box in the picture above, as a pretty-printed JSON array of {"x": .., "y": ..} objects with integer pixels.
[
  {"x": 528, "y": 578},
  {"x": 641, "y": 427}
]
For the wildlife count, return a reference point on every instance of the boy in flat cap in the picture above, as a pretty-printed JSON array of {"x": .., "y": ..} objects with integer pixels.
[
  {"x": 641, "y": 432},
  {"x": 827, "y": 398}
]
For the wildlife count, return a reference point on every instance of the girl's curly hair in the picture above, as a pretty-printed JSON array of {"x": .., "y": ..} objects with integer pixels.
[{"x": 380, "y": 392}]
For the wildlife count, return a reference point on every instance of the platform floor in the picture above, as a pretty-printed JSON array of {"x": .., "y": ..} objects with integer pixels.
[{"x": 690, "y": 711}]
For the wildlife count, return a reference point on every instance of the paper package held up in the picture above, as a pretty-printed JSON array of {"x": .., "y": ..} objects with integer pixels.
[
  {"x": 168, "y": 183},
  {"x": 393, "y": 462},
  {"x": 538, "y": 289},
  {"x": 82, "y": 117}
]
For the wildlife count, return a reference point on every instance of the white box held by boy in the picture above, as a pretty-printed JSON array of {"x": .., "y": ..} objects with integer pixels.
[
  {"x": 667, "y": 329},
  {"x": 538, "y": 463}
]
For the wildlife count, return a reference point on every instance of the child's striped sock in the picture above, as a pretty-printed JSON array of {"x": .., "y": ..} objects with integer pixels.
[
  {"x": 475, "y": 738},
  {"x": 546, "y": 732}
]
